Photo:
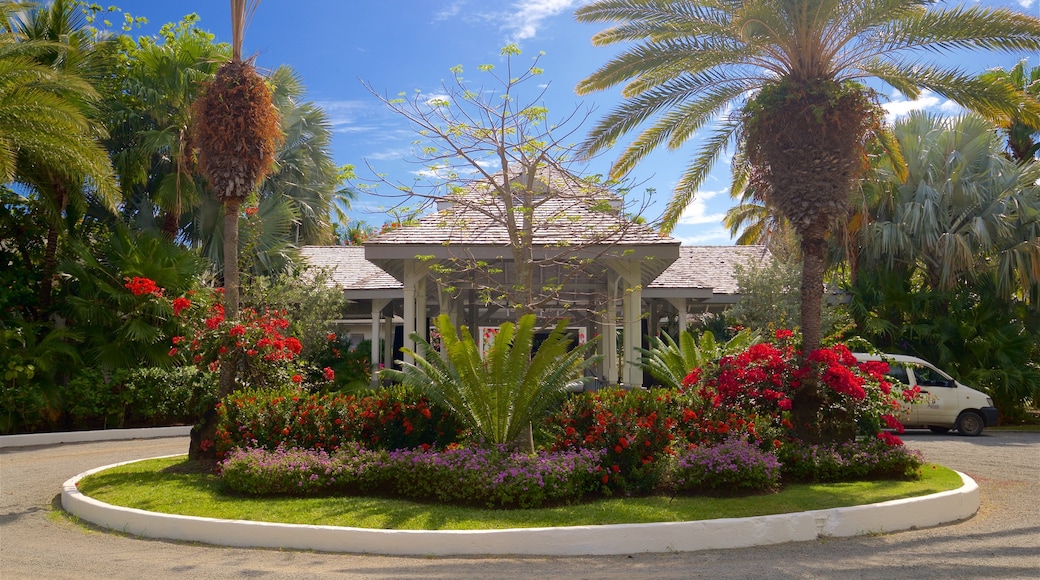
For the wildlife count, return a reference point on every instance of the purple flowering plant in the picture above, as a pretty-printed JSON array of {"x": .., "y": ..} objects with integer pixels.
[{"x": 729, "y": 467}]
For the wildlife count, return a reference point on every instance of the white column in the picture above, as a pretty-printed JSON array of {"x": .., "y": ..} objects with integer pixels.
[
  {"x": 633, "y": 335},
  {"x": 414, "y": 303},
  {"x": 377, "y": 307},
  {"x": 608, "y": 344}
]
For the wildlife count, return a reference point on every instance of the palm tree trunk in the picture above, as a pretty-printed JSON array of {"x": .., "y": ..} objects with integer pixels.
[
  {"x": 50, "y": 256},
  {"x": 808, "y": 400},
  {"x": 202, "y": 435},
  {"x": 231, "y": 283},
  {"x": 813, "y": 251}
]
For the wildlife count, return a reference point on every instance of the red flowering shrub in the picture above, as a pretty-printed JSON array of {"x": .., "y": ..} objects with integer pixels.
[
  {"x": 634, "y": 427},
  {"x": 266, "y": 357},
  {"x": 753, "y": 392},
  {"x": 385, "y": 419}
]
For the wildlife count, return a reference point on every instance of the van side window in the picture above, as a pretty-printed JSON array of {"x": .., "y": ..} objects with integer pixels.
[
  {"x": 927, "y": 377},
  {"x": 898, "y": 372}
]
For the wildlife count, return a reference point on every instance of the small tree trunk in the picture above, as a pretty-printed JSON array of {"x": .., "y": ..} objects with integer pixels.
[
  {"x": 525, "y": 442},
  {"x": 231, "y": 283},
  {"x": 202, "y": 435}
]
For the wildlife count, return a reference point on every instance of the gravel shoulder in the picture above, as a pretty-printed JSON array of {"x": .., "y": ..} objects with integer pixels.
[{"x": 1001, "y": 541}]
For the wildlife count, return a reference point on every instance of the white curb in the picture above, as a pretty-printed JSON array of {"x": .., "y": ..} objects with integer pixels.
[
  {"x": 902, "y": 514},
  {"x": 28, "y": 439}
]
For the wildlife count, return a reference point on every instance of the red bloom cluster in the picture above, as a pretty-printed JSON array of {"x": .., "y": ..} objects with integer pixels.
[
  {"x": 141, "y": 286},
  {"x": 258, "y": 337},
  {"x": 180, "y": 304}
]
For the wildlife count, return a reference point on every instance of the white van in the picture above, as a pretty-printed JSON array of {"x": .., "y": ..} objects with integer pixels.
[{"x": 944, "y": 404}]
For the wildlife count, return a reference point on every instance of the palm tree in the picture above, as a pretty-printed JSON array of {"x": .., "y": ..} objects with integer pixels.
[
  {"x": 778, "y": 78},
  {"x": 304, "y": 173},
  {"x": 1021, "y": 136},
  {"x": 965, "y": 210},
  {"x": 236, "y": 131},
  {"x": 294, "y": 202},
  {"x": 48, "y": 141}
]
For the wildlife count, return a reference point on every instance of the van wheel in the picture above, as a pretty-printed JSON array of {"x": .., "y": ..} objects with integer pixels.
[
  {"x": 939, "y": 430},
  {"x": 970, "y": 423}
]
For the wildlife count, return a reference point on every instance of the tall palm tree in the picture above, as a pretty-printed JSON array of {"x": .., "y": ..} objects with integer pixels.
[
  {"x": 236, "y": 131},
  {"x": 48, "y": 141},
  {"x": 296, "y": 200},
  {"x": 778, "y": 78}
]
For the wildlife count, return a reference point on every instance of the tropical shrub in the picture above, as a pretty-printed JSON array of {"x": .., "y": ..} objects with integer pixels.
[
  {"x": 499, "y": 394},
  {"x": 634, "y": 428},
  {"x": 291, "y": 417},
  {"x": 763, "y": 381},
  {"x": 352, "y": 366},
  {"x": 734, "y": 466},
  {"x": 164, "y": 396},
  {"x": 32, "y": 358},
  {"x": 94, "y": 399},
  {"x": 119, "y": 297}
]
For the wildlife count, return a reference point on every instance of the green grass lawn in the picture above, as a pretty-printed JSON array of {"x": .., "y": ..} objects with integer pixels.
[{"x": 162, "y": 485}]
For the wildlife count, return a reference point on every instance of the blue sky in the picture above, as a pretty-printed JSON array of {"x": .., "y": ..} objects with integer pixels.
[{"x": 406, "y": 45}]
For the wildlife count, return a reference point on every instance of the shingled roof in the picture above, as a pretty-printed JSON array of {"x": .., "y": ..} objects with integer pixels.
[
  {"x": 711, "y": 268},
  {"x": 350, "y": 271},
  {"x": 567, "y": 211},
  {"x": 707, "y": 267}
]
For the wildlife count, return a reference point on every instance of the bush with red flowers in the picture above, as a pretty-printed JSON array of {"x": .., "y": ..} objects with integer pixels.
[
  {"x": 634, "y": 427},
  {"x": 291, "y": 417},
  {"x": 759, "y": 385}
]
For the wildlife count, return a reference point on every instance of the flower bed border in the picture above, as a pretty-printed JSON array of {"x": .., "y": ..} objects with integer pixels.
[{"x": 896, "y": 515}]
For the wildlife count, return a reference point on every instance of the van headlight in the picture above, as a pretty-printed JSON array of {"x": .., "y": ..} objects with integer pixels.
[{"x": 989, "y": 401}]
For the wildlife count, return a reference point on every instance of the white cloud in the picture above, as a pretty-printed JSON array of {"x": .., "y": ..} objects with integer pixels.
[
  {"x": 344, "y": 115},
  {"x": 522, "y": 20},
  {"x": 899, "y": 106},
  {"x": 389, "y": 155},
  {"x": 1027, "y": 4},
  {"x": 437, "y": 99},
  {"x": 718, "y": 236},
  {"x": 449, "y": 11},
  {"x": 523, "y": 23},
  {"x": 697, "y": 212}
]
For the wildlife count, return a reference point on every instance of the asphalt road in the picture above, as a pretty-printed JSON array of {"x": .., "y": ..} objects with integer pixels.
[{"x": 1001, "y": 541}]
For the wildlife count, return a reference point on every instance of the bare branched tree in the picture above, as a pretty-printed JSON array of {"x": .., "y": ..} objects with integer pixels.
[{"x": 517, "y": 220}]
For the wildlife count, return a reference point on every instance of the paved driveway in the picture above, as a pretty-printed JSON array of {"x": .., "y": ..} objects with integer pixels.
[{"x": 1002, "y": 541}]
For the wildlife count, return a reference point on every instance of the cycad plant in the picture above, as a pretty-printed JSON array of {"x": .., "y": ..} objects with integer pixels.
[
  {"x": 498, "y": 394},
  {"x": 669, "y": 360}
]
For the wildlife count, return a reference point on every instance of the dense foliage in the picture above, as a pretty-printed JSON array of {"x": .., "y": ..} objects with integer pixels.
[{"x": 289, "y": 417}]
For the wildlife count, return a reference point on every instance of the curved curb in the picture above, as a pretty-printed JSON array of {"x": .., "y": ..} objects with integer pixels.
[
  {"x": 890, "y": 516},
  {"x": 32, "y": 439}
]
